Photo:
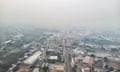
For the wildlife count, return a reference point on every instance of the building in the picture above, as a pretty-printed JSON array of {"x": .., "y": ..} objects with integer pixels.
[
  {"x": 31, "y": 60},
  {"x": 98, "y": 70},
  {"x": 56, "y": 68},
  {"x": 114, "y": 64},
  {"x": 85, "y": 69},
  {"x": 89, "y": 60},
  {"x": 52, "y": 59},
  {"x": 23, "y": 69}
]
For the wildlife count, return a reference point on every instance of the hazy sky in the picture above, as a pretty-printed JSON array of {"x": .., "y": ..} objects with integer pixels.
[{"x": 58, "y": 13}]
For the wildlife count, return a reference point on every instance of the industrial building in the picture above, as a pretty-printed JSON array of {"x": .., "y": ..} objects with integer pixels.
[{"x": 31, "y": 60}]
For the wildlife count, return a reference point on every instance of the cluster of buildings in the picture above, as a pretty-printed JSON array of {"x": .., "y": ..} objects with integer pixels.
[
  {"x": 84, "y": 61},
  {"x": 71, "y": 55}
]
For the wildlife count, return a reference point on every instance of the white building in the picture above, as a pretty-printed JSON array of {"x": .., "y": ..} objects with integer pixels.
[
  {"x": 53, "y": 58},
  {"x": 30, "y": 60}
]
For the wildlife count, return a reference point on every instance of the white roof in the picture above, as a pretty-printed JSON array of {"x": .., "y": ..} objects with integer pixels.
[
  {"x": 53, "y": 57},
  {"x": 7, "y": 41},
  {"x": 32, "y": 58},
  {"x": 51, "y": 49}
]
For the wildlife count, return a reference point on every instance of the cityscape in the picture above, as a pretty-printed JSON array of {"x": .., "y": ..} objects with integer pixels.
[
  {"x": 59, "y": 35},
  {"x": 57, "y": 51}
]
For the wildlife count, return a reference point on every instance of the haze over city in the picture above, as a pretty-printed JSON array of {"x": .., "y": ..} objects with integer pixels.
[
  {"x": 92, "y": 14},
  {"x": 59, "y": 36}
]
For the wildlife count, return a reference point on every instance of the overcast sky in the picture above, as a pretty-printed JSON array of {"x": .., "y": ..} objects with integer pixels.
[{"x": 102, "y": 14}]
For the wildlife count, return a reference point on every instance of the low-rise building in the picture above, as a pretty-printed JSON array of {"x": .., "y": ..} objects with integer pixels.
[{"x": 31, "y": 60}]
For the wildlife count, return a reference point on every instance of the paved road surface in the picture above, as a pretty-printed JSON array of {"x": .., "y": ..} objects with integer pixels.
[{"x": 67, "y": 60}]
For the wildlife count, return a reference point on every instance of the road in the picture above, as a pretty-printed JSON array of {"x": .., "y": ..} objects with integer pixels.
[{"x": 67, "y": 60}]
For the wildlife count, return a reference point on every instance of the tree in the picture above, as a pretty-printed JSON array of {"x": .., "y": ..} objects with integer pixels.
[
  {"x": 92, "y": 55},
  {"x": 106, "y": 66},
  {"x": 105, "y": 59}
]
